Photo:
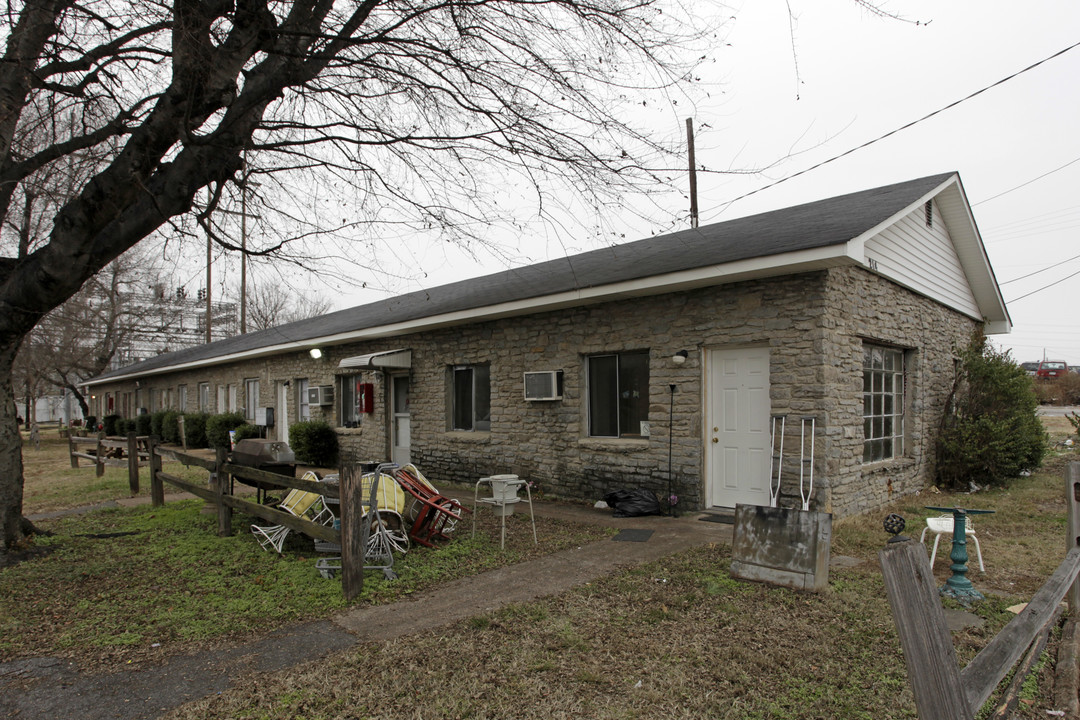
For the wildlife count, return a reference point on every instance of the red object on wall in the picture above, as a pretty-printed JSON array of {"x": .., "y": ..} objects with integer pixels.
[{"x": 365, "y": 397}]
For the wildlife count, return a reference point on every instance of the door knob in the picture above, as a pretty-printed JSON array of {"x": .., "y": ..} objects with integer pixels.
[{"x": 716, "y": 440}]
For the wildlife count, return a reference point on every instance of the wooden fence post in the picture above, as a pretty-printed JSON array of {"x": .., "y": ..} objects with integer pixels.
[
  {"x": 352, "y": 530},
  {"x": 219, "y": 483},
  {"x": 71, "y": 449},
  {"x": 133, "y": 463},
  {"x": 1072, "y": 499},
  {"x": 920, "y": 622},
  {"x": 100, "y": 462},
  {"x": 157, "y": 487}
]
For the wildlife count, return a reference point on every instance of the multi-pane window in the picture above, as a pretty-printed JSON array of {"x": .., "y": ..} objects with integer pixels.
[
  {"x": 303, "y": 408},
  {"x": 204, "y": 397},
  {"x": 470, "y": 398},
  {"x": 883, "y": 403},
  {"x": 618, "y": 388},
  {"x": 251, "y": 398},
  {"x": 352, "y": 388},
  {"x": 181, "y": 394}
]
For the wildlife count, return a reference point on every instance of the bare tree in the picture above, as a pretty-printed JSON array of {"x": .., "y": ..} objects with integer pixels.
[
  {"x": 420, "y": 107},
  {"x": 271, "y": 304}
]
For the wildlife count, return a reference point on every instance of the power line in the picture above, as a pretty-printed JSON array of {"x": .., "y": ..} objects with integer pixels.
[
  {"x": 1046, "y": 287},
  {"x": 900, "y": 129},
  {"x": 1048, "y": 267},
  {"x": 995, "y": 197}
]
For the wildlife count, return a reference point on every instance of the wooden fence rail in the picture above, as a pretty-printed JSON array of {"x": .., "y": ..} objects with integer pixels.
[
  {"x": 132, "y": 452},
  {"x": 352, "y": 537},
  {"x": 942, "y": 690}
]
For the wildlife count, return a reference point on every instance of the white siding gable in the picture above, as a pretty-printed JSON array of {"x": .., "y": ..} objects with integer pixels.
[{"x": 923, "y": 259}]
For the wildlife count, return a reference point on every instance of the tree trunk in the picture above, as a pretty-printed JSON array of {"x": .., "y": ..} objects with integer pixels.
[{"x": 11, "y": 465}]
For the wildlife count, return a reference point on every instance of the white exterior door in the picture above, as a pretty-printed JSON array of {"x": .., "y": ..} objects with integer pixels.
[
  {"x": 737, "y": 440},
  {"x": 400, "y": 422}
]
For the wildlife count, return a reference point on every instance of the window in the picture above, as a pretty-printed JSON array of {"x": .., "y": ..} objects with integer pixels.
[
  {"x": 221, "y": 406},
  {"x": 470, "y": 398},
  {"x": 618, "y": 389},
  {"x": 883, "y": 403},
  {"x": 232, "y": 398},
  {"x": 204, "y": 397},
  {"x": 303, "y": 409},
  {"x": 350, "y": 401},
  {"x": 251, "y": 398},
  {"x": 181, "y": 395}
]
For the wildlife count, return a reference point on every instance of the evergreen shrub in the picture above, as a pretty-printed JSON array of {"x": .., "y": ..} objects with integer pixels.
[
  {"x": 218, "y": 427},
  {"x": 314, "y": 442}
]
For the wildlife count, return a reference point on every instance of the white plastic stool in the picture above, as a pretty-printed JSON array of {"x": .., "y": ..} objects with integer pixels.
[
  {"x": 944, "y": 526},
  {"x": 504, "y": 495}
]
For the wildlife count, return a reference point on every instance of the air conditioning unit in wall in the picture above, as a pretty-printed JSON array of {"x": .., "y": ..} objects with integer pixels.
[
  {"x": 543, "y": 385},
  {"x": 321, "y": 395}
]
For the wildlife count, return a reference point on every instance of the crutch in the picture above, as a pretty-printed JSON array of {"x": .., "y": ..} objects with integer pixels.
[
  {"x": 774, "y": 490},
  {"x": 812, "y": 421}
]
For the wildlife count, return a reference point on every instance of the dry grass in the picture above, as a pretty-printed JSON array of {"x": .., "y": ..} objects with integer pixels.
[{"x": 682, "y": 639}]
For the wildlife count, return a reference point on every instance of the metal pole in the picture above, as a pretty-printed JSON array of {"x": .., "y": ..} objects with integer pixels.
[{"x": 670, "y": 435}]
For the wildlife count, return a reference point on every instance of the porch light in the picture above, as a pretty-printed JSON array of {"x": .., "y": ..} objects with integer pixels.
[
  {"x": 315, "y": 353},
  {"x": 680, "y": 357}
]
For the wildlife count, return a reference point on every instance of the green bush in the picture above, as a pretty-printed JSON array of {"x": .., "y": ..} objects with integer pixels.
[
  {"x": 170, "y": 427},
  {"x": 218, "y": 427},
  {"x": 246, "y": 431},
  {"x": 314, "y": 442},
  {"x": 156, "y": 420},
  {"x": 124, "y": 426},
  {"x": 142, "y": 424},
  {"x": 109, "y": 421},
  {"x": 989, "y": 432},
  {"x": 90, "y": 423},
  {"x": 195, "y": 429}
]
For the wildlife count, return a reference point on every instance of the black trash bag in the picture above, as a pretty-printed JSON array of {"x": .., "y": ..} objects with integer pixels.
[{"x": 633, "y": 503}]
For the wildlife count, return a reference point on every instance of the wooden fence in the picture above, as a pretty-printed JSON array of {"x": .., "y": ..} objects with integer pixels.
[
  {"x": 944, "y": 691},
  {"x": 132, "y": 452},
  {"x": 352, "y": 537}
]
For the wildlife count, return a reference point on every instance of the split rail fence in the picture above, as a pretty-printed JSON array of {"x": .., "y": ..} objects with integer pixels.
[
  {"x": 132, "y": 452},
  {"x": 944, "y": 691},
  {"x": 352, "y": 537}
]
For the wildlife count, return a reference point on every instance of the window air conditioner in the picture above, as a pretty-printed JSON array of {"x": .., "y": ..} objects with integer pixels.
[
  {"x": 321, "y": 395},
  {"x": 545, "y": 385}
]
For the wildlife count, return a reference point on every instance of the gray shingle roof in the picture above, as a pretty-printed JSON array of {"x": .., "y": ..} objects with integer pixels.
[{"x": 818, "y": 224}]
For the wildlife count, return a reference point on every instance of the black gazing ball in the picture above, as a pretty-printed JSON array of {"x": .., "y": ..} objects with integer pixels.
[{"x": 894, "y": 524}]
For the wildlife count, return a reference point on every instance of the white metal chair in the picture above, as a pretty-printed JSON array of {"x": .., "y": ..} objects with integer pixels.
[
  {"x": 504, "y": 495},
  {"x": 301, "y": 503},
  {"x": 943, "y": 525}
]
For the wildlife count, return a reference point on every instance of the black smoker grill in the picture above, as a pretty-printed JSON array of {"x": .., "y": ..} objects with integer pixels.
[{"x": 269, "y": 455}]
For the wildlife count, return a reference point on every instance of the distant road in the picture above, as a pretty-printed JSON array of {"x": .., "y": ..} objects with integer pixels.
[{"x": 1058, "y": 411}]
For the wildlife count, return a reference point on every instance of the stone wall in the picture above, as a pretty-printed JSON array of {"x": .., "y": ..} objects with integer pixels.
[{"x": 813, "y": 323}]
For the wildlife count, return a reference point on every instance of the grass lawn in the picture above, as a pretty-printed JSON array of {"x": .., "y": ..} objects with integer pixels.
[{"x": 674, "y": 639}]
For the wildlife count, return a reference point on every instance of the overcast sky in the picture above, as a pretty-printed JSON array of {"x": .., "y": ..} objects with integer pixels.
[{"x": 852, "y": 77}]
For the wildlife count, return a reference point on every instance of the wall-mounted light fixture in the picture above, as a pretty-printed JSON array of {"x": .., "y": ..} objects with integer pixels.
[
  {"x": 315, "y": 353},
  {"x": 680, "y": 357}
]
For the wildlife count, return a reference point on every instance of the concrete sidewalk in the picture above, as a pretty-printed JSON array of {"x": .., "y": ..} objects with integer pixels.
[{"x": 51, "y": 687}]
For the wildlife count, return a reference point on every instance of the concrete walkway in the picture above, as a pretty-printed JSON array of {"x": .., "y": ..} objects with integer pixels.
[{"x": 53, "y": 688}]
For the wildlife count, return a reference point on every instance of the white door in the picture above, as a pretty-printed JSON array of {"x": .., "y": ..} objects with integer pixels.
[
  {"x": 400, "y": 424},
  {"x": 281, "y": 415},
  {"x": 737, "y": 437}
]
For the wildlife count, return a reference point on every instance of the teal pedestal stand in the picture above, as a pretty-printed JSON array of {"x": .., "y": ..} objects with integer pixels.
[{"x": 958, "y": 586}]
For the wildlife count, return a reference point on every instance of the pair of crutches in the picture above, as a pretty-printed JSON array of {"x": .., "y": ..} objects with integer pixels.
[{"x": 807, "y": 426}]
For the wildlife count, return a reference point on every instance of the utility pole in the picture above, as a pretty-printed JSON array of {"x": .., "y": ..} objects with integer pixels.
[
  {"x": 693, "y": 173},
  {"x": 243, "y": 247},
  {"x": 209, "y": 260}
]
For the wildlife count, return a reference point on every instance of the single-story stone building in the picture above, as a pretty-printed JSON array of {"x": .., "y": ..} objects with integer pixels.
[{"x": 658, "y": 363}]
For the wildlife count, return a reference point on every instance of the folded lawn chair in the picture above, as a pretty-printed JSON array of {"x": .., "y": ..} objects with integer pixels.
[
  {"x": 302, "y": 504},
  {"x": 433, "y": 516}
]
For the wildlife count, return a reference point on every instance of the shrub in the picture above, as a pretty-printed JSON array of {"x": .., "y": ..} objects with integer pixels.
[
  {"x": 156, "y": 420},
  {"x": 142, "y": 424},
  {"x": 109, "y": 421},
  {"x": 195, "y": 429},
  {"x": 91, "y": 423},
  {"x": 989, "y": 432},
  {"x": 124, "y": 426},
  {"x": 314, "y": 442},
  {"x": 218, "y": 427},
  {"x": 170, "y": 428},
  {"x": 246, "y": 431}
]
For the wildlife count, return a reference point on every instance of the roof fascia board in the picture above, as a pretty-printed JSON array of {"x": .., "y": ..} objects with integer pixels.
[{"x": 721, "y": 274}]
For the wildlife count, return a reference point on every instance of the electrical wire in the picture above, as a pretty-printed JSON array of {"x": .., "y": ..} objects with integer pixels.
[
  {"x": 899, "y": 129},
  {"x": 995, "y": 197},
  {"x": 1046, "y": 287},
  {"x": 1048, "y": 267}
]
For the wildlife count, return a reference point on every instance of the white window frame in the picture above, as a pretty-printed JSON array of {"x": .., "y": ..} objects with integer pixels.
[
  {"x": 884, "y": 403},
  {"x": 251, "y": 398},
  {"x": 349, "y": 415},
  {"x": 204, "y": 397},
  {"x": 303, "y": 408},
  {"x": 181, "y": 398}
]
